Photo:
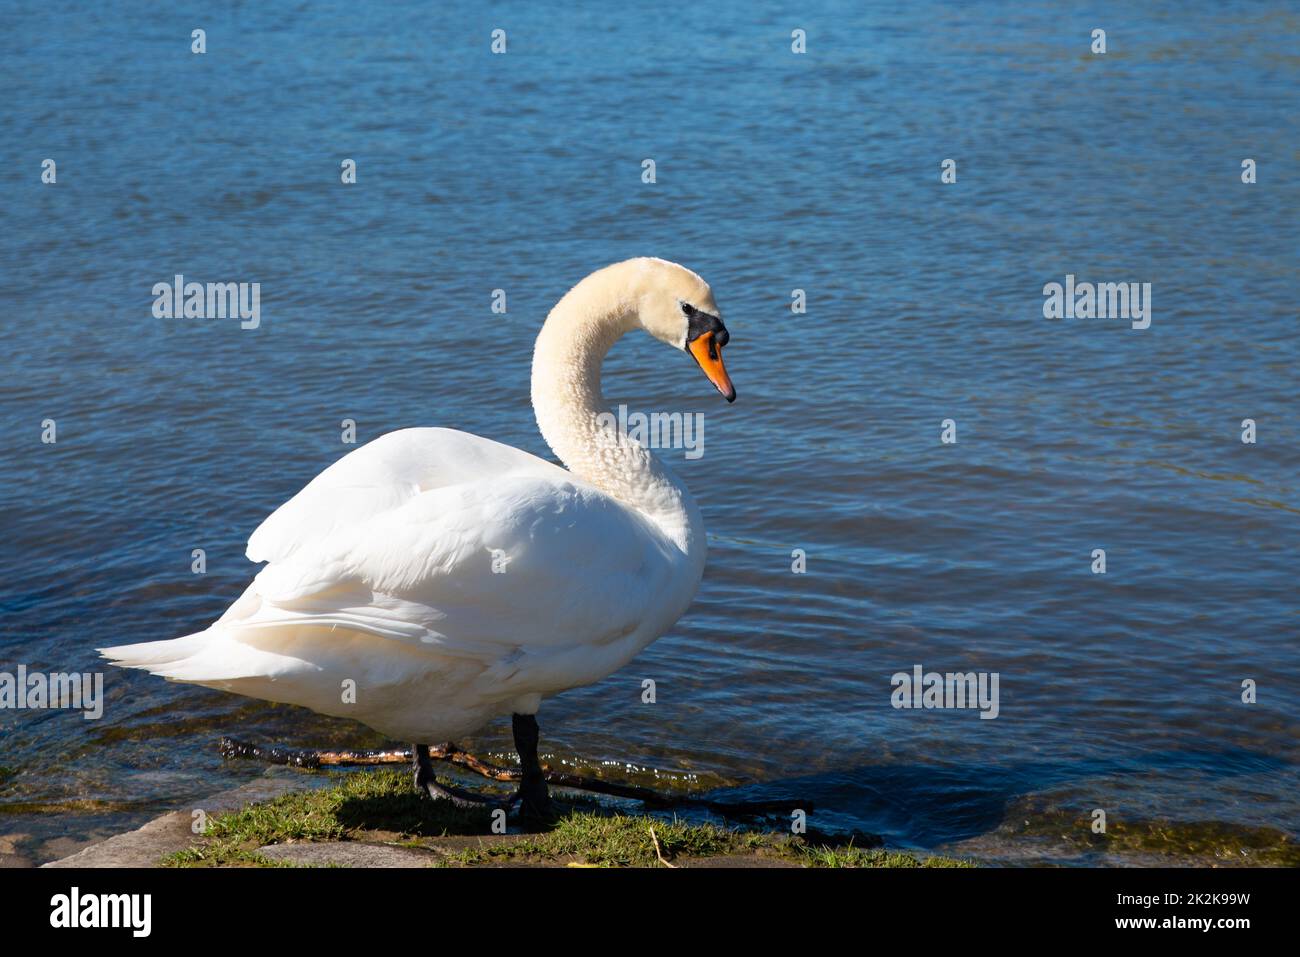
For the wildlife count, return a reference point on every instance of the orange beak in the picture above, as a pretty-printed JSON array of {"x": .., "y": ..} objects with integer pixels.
[{"x": 708, "y": 354}]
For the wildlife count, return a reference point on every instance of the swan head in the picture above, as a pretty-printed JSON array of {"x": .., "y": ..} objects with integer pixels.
[{"x": 676, "y": 307}]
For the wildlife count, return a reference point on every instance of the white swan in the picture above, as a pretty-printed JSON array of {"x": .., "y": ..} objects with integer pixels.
[{"x": 454, "y": 579}]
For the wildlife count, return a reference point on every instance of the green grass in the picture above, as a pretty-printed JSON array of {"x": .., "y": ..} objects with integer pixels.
[
  {"x": 378, "y": 801},
  {"x": 875, "y": 857},
  {"x": 607, "y": 840},
  {"x": 621, "y": 840},
  {"x": 381, "y": 806}
]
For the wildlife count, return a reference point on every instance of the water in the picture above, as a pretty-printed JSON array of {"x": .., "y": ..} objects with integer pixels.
[{"x": 775, "y": 172}]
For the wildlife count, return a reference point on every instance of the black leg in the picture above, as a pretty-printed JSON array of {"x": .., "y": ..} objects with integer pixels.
[
  {"x": 534, "y": 797},
  {"x": 426, "y": 782}
]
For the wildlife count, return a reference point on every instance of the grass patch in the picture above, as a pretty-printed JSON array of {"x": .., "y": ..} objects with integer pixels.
[
  {"x": 382, "y": 807},
  {"x": 378, "y": 801},
  {"x": 821, "y": 856},
  {"x": 605, "y": 839},
  {"x": 221, "y": 855},
  {"x": 620, "y": 840}
]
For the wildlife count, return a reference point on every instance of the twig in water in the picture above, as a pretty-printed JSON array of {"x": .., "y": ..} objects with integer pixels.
[{"x": 312, "y": 758}]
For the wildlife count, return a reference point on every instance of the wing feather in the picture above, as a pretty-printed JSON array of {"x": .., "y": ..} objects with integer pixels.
[{"x": 446, "y": 539}]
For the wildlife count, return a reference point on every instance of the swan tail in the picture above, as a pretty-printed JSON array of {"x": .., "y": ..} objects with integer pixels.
[
  {"x": 196, "y": 658},
  {"x": 204, "y": 656},
  {"x": 150, "y": 655}
]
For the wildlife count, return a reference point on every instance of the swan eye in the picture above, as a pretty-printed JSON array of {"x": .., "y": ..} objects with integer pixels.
[{"x": 699, "y": 322}]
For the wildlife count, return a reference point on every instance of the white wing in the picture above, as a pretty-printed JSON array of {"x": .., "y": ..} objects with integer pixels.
[
  {"x": 438, "y": 562},
  {"x": 484, "y": 546}
]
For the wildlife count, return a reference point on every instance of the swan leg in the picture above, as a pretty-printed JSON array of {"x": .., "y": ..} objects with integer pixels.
[
  {"x": 426, "y": 782},
  {"x": 534, "y": 797}
]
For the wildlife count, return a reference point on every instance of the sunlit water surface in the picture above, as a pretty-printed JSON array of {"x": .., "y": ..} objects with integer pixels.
[{"x": 775, "y": 172}]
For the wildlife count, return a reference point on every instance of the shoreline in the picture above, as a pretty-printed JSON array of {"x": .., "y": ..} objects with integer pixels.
[
  {"x": 288, "y": 817},
  {"x": 374, "y": 819}
]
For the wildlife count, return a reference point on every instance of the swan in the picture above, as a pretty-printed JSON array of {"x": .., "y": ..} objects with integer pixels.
[{"x": 432, "y": 580}]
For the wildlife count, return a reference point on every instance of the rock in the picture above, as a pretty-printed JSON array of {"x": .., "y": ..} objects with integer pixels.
[
  {"x": 172, "y": 832},
  {"x": 348, "y": 854},
  {"x": 9, "y": 854}
]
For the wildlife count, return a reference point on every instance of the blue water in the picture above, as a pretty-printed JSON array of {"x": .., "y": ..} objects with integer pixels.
[{"x": 775, "y": 172}]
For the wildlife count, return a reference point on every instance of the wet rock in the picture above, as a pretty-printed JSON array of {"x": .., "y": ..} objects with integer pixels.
[
  {"x": 10, "y": 856},
  {"x": 173, "y": 832}
]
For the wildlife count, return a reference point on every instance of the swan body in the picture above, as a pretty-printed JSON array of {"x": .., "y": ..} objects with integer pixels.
[{"x": 432, "y": 580}]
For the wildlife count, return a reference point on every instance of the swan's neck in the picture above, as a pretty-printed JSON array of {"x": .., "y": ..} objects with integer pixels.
[{"x": 581, "y": 429}]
